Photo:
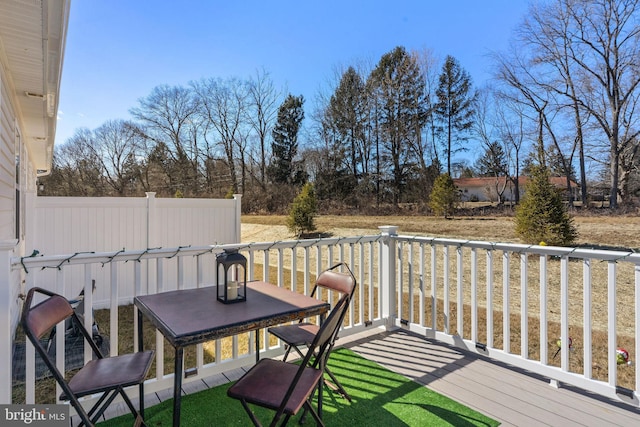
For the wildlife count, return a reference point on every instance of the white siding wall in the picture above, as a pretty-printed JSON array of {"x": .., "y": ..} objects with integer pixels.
[
  {"x": 11, "y": 282},
  {"x": 7, "y": 159}
]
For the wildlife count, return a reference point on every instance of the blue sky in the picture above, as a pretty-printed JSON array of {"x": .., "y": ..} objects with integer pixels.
[{"x": 117, "y": 51}]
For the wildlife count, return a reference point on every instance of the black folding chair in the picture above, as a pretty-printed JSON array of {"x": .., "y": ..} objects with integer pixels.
[
  {"x": 301, "y": 334},
  {"x": 285, "y": 387},
  {"x": 106, "y": 375}
]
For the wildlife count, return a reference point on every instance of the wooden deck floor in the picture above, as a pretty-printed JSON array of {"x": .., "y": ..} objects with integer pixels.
[{"x": 504, "y": 393}]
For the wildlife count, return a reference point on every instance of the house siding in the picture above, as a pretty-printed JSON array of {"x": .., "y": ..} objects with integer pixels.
[{"x": 7, "y": 160}]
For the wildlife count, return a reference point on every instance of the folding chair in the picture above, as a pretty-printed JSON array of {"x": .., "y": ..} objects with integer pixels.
[
  {"x": 285, "y": 387},
  {"x": 302, "y": 334},
  {"x": 106, "y": 375}
]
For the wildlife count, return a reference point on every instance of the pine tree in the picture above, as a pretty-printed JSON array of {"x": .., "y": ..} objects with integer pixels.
[
  {"x": 454, "y": 109},
  {"x": 445, "y": 196},
  {"x": 303, "y": 211},
  {"x": 493, "y": 162},
  {"x": 541, "y": 217},
  {"x": 285, "y": 142}
]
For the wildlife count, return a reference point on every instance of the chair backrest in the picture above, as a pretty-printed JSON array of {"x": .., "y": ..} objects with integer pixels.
[
  {"x": 325, "y": 336},
  {"x": 321, "y": 344},
  {"x": 38, "y": 319},
  {"x": 345, "y": 283}
]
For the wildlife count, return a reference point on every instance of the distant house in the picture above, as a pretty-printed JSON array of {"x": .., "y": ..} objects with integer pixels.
[{"x": 486, "y": 189}]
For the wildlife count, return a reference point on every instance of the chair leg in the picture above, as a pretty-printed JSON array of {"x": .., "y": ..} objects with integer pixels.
[
  {"x": 286, "y": 353},
  {"x": 137, "y": 414},
  {"x": 308, "y": 407},
  {"x": 255, "y": 421},
  {"x": 336, "y": 385}
]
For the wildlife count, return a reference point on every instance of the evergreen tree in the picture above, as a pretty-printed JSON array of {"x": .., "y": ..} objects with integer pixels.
[
  {"x": 541, "y": 216},
  {"x": 445, "y": 196},
  {"x": 303, "y": 211},
  {"x": 283, "y": 170},
  {"x": 400, "y": 115},
  {"x": 493, "y": 162},
  {"x": 454, "y": 107}
]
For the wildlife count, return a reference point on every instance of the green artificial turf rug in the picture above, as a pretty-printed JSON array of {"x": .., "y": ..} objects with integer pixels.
[{"x": 379, "y": 398}]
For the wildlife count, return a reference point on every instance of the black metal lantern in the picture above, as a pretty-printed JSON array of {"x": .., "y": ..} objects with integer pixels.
[{"x": 232, "y": 276}]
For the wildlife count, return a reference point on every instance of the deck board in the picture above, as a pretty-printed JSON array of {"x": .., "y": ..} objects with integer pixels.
[{"x": 507, "y": 394}]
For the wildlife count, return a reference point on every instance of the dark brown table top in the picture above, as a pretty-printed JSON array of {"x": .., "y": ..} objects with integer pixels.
[{"x": 192, "y": 316}]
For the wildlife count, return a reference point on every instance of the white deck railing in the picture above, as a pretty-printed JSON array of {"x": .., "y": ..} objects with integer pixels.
[{"x": 437, "y": 287}]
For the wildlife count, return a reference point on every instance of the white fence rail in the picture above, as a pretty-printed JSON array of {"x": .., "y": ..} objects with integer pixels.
[
  {"x": 507, "y": 301},
  {"x": 560, "y": 312}
]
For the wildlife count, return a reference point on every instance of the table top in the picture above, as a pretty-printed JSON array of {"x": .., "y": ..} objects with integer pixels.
[{"x": 192, "y": 316}]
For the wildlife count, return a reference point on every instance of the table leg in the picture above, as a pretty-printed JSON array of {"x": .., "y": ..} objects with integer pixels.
[
  {"x": 141, "y": 348},
  {"x": 257, "y": 345},
  {"x": 177, "y": 385}
]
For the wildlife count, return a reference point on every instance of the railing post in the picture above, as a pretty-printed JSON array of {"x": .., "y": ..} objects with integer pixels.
[
  {"x": 238, "y": 199},
  {"x": 7, "y": 323},
  {"x": 388, "y": 278},
  {"x": 151, "y": 220}
]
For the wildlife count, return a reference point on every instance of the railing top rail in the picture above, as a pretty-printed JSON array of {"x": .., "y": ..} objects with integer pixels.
[
  {"x": 632, "y": 256},
  {"x": 58, "y": 261}
]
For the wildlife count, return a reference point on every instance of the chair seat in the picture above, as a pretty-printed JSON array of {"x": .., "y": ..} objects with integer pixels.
[
  {"x": 296, "y": 334},
  {"x": 267, "y": 382},
  {"x": 105, "y": 374}
]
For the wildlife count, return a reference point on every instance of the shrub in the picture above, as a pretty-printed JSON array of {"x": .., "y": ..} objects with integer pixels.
[
  {"x": 445, "y": 196},
  {"x": 541, "y": 217},
  {"x": 303, "y": 211}
]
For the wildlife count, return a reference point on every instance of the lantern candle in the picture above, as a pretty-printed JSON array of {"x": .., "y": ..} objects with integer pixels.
[{"x": 232, "y": 290}]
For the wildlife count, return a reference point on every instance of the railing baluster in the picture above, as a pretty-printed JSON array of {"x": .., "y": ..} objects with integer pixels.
[
  {"x": 524, "y": 306},
  {"x": 474, "y": 294},
  {"x": 60, "y": 332},
  {"x": 544, "y": 333},
  {"x": 611, "y": 319},
  {"x": 113, "y": 313},
  {"x": 400, "y": 281},
  {"x": 637, "y": 322},
  {"x": 180, "y": 272},
  {"x": 421, "y": 289},
  {"x": 586, "y": 282},
  {"x": 460, "y": 308},
  {"x": 88, "y": 310},
  {"x": 506, "y": 312},
  {"x": 489, "y": 302},
  {"x": 564, "y": 312},
  {"x": 361, "y": 279},
  {"x": 294, "y": 269},
  {"x": 280, "y": 280},
  {"x": 446, "y": 289},
  {"x": 265, "y": 265},
  {"x": 372, "y": 286}
]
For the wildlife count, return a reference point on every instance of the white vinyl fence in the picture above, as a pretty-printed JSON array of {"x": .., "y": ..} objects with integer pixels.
[{"x": 76, "y": 225}]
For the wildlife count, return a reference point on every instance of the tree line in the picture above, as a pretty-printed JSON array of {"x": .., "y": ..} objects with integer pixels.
[{"x": 564, "y": 96}]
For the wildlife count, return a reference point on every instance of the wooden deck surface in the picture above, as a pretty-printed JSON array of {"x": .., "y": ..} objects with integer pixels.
[{"x": 502, "y": 392}]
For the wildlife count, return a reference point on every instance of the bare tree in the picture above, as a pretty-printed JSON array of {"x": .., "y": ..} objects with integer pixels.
[
  {"x": 168, "y": 118},
  {"x": 117, "y": 146},
  {"x": 223, "y": 105},
  {"x": 263, "y": 101}
]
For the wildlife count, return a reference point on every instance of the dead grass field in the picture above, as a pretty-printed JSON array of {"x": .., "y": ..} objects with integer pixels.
[{"x": 611, "y": 231}]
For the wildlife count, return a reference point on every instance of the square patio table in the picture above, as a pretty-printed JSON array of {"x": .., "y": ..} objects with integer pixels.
[{"x": 193, "y": 316}]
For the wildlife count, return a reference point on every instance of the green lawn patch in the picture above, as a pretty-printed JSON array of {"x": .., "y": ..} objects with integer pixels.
[{"x": 380, "y": 398}]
